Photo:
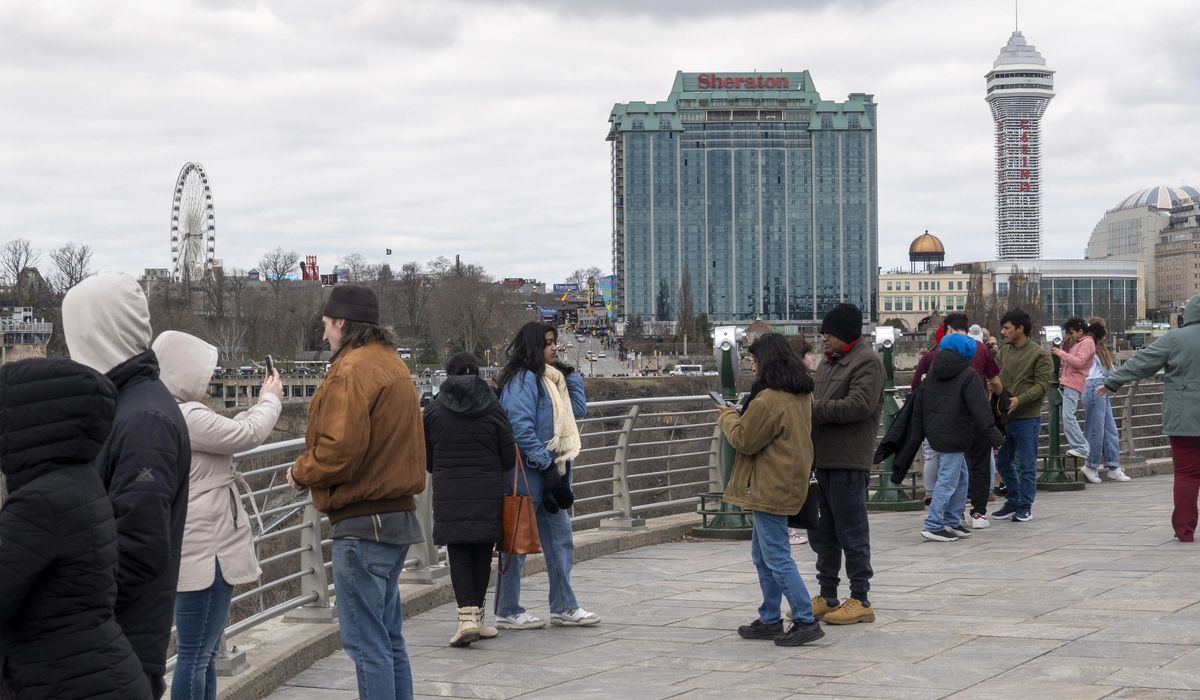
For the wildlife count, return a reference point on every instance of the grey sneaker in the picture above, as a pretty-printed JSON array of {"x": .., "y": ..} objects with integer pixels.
[
  {"x": 524, "y": 621},
  {"x": 574, "y": 618}
]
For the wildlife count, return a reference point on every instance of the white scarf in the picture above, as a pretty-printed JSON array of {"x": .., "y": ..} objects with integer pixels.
[{"x": 565, "y": 443}]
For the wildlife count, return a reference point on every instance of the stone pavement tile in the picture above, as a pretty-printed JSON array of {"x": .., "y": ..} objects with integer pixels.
[
  {"x": 723, "y": 694},
  {"x": 888, "y": 645},
  {"x": 482, "y": 654},
  {"x": 748, "y": 684},
  {"x": 1072, "y": 670},
  {"x": 490, "y": 691},
  {"x": 851, "y": 690},
  {"x": 602, "y": 657},
  {"x": 290, "y": 693},
  {"x": 1153, "y": 694},
  {"x": 442, "y": 669},
  {"x": 1083, "y": 615},
  {"x": 722, "y": 576},
  {"x": 735, "y": 648},
  {"x": 939, "y": 675},
  {"x": 550, "y": 640},
  {"x": 733, "y": 594},
  {"x": 1000, "y": 652},
  {"x": 1032, "y": 691},
  {"x": 330, "y": 679},
  {"x": 1153, "y": 678},
  {"x": 727, "y": 620},
  {"x": 337, "y": 661},
  {"x": 669, "y": 634},
  {"x": 586, "y": 689},
  {"x": 807, "y": 666},
  {"x": 657, "y": 615},
  {"x": 1030, "y": 630},
  {"x": 1103, "y": 649},
  {"x": 694, "y": 664},
  {"x": 533, "y": 677},
  {"x": 1177, "y": 628}
]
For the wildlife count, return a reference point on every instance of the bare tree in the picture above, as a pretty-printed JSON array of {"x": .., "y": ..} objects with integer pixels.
[
  {"x": 276, "y": 266},
  {"x": 582, "y": 276},
  {"x": 469, "y": 312},
  {"x": 15, "y": 256},
  {"x": 72, "y": 265},
  {"x": 358, "y": 268},
  {"x": 414, "y": 288},
  {"x": 686, "y": 312}
]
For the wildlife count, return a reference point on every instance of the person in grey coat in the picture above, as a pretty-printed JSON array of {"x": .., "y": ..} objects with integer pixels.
[{"x": 1177, "y": 352}]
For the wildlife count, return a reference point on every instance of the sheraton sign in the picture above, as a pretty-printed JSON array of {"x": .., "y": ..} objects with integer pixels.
[{"x": 712, "y": 81}]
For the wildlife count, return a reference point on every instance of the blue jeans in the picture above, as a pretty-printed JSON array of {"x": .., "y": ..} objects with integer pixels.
[
  {"x": 778, "y": 576},
  {"x": 199, "y": 620},
  {"x": 1100, "y": 427},
  {"x": 1021, "y": 442},
  {"x": 366, "y": 577},
  {"x": 949, "y": 493},
  {"x": 1070, "y": 420},
  {"x": 929, "y": 467},
  {"x": 558, "y": 547}
]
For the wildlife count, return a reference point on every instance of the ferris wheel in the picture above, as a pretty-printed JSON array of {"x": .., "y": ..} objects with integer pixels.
[{"x": 193, "y": 227}]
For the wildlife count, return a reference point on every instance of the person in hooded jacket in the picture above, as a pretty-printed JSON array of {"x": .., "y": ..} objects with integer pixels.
[
  {"x": 144, "y": 465},
  {"x": 1178, "y": 353},
  {"x": 951, "y": 410},
  {"x": 218, "y": 548},
  {"x": 58, "y": 560},
  {"x": 468, "y": 447}
]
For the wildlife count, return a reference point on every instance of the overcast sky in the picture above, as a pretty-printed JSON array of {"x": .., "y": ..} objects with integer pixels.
[{"x": 476, "y": 127}]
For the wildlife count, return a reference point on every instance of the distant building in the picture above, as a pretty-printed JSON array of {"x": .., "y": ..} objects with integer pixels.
[
  {"x": 752, "y": 189},
  {"x": 1106, "y": 288},
  {"x": 1019, "y": 87},
  {"x": 1177, "y": 259},
  {"x": 21, "y": 335},
  {"x": 524, "y": 287},
  {"x": 927, "y": 290},
  {"x": 1130, "y": 231}
]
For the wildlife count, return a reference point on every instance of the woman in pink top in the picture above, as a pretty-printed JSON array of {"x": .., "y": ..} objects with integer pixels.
[{"x": 1076, "y": 355}]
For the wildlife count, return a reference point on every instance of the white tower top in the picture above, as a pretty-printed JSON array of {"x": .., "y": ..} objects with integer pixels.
[{"x": 1019, "y": 87}]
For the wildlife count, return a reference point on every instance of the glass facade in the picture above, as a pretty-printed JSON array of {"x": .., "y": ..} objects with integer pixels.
[{"x": 762, "y": 200}]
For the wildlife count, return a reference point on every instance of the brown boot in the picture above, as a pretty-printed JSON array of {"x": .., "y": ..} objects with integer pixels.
[
  {"x": 468, "y": 627},
  {"x": 821, "y": 608},
  {"x": 849, "y": 612},
  {"x": 485, "y": 631}
]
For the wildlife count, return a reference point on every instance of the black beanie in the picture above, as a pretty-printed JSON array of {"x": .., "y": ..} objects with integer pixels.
[
  {"x": 353, "y": 303},
  {"x": 843, "y": 321}
]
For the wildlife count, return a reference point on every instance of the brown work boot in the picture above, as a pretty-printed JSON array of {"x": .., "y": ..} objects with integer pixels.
[
  {"x": 849, "y": 612},
  {"x": 821, "y": 607}
]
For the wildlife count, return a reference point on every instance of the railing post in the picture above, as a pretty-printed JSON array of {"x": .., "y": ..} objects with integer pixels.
[
  {"x": 1053, "y": 476},
  {"x": 889, "y": 496},
  {"x": 1129, "y": 453},
  {"x": 230, "y": 663},
  {"x": 622, "y": 500},
  {"x": 429, "y": 567},
  {"x": 314, "y": 580}
]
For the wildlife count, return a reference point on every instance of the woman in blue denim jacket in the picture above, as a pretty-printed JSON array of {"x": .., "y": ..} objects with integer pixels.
[{"x": 543, "y": 397}]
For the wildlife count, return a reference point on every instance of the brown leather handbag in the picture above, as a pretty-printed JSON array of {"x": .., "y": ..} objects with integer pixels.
[{"x": 520, "y": 535}]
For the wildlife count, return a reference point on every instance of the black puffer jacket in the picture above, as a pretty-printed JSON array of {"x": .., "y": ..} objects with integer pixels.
[
  {"x": 952, "y": 406},
  {"x": 58, "y": 539},
  {"x": 144, "y": 465},
  {"x": 468, "y": 447}
]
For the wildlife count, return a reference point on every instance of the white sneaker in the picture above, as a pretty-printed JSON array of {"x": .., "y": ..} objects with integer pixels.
[
  {"x": 574, "y": 618},
  {"x": 1118, "y": 474},
  {"x": 979, "y": 522},
  {"x": 1076, "y": 453},
  {"x": 1090, "y": 474},
  {"x": 524, "y": 621}
]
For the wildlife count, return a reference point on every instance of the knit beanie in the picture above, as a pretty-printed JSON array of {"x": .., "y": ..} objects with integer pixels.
[
  {"x": 843, "y": 321},
  {"x": 353, "y": 303},
  {"x": 960, "y": 343}
]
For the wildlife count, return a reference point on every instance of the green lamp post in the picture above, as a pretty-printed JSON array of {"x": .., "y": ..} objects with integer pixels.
[{"x": 1053, "y": 476}]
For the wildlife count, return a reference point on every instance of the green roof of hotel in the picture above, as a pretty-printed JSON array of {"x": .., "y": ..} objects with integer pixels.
[{"x": 663, "y": 116}]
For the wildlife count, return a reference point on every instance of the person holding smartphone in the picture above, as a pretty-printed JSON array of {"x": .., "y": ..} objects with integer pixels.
[{"x": 218, "y": 548}]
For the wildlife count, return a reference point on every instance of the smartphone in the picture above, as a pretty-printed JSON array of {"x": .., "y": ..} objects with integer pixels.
[
  {"x": 270, "y": 366},
  {"x": 716, "y": 395}
]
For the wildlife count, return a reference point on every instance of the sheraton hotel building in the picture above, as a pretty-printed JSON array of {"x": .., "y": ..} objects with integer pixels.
[{"x": 752, "y": 191}]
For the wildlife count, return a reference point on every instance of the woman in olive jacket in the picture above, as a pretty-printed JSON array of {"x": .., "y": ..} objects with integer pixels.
[{"x": 772, "y": 437}]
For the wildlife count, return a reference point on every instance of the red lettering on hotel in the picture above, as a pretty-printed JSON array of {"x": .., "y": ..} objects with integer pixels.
[{"x": 712, "y": 81}]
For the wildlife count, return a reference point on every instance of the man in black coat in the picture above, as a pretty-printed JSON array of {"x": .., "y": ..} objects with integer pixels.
[
  {"x": 468, "y": 447},
  {"x": 951, "y": 411},
  {"x": 145, "y": 463},
  {"x": 58, "y": 539}
]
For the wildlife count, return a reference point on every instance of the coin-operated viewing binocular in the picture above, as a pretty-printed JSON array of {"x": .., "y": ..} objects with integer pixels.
[
  {"x": 885, "y": 336},
  {"x": 727, "y": 338},
  {"x": 1052, "y": 336}
]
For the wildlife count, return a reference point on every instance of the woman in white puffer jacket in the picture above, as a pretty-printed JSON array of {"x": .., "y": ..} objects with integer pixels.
[{"x": 218, "y": 550}]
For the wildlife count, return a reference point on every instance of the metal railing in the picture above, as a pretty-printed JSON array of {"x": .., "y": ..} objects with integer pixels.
[{"x": 640, "y": 458}]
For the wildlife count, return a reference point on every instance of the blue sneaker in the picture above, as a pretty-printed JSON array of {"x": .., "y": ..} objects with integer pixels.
[
  {"x": 1008, "y": 511},
  {"x": 1024, "y": 515}
]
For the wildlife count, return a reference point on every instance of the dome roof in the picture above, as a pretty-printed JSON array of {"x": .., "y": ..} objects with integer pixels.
[
  {"x": 926, "y": 244},
  {"x": 1160, "y": 197}
]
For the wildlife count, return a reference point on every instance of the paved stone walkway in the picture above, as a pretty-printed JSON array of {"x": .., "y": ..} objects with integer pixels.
[{"x": 1093, "y": 599}]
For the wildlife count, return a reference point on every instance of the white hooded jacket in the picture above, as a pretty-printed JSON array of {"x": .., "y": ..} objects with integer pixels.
[
  {"x": 217, "y": 529},
  {"x": 106, "y": 320}
]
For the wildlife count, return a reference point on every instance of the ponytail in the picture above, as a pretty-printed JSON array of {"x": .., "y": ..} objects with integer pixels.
[{"x": 1096, "y": 329}]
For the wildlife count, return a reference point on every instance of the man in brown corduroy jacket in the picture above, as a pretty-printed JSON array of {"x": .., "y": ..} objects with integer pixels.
[{"x": 365, "y": 463}]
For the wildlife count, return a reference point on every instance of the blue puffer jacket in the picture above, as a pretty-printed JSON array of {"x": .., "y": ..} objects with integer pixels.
[{"x": 528, "y": 406}]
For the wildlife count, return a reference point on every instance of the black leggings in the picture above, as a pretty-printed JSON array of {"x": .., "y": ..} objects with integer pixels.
[{"x": 470, "y": 570}]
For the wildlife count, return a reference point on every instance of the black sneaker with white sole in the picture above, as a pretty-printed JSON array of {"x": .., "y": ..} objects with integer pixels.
[
  {"x": 960, "y": 530},
  {"x": 942, "y": 535}
]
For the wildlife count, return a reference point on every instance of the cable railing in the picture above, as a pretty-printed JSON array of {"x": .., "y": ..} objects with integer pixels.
[{"x": 640, "y": 458}]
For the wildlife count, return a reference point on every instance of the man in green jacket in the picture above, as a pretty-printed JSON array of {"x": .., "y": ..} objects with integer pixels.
[
  {"x": 1026, "y": 371},
  {"x": 1178, "y": 352}
]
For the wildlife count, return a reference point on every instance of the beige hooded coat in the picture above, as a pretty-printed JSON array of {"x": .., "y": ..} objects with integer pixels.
[{"x": 217, "y": 526}]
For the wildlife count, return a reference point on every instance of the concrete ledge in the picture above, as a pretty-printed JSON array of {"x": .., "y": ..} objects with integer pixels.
[{"x": 278, "y": 650}]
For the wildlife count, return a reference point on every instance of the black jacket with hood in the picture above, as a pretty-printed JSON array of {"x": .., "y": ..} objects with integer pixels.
[
  {"x": 145, "y": 463},
  {"x": 58, "y": 538},
  {"x": 952, "y": 406},
  {"x": 468, "y": 448}
]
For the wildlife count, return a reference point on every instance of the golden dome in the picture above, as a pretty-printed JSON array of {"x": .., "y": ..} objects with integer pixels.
[{"x": 926, "y": 244}]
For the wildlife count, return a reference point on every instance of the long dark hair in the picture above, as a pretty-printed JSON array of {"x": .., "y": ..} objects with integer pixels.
[
  {"x": 1096, "y": 329},
  {"x": 779, "y": 367},
  {"x": 526, "y": 351},
  {"x": 356, "y": 334}
]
